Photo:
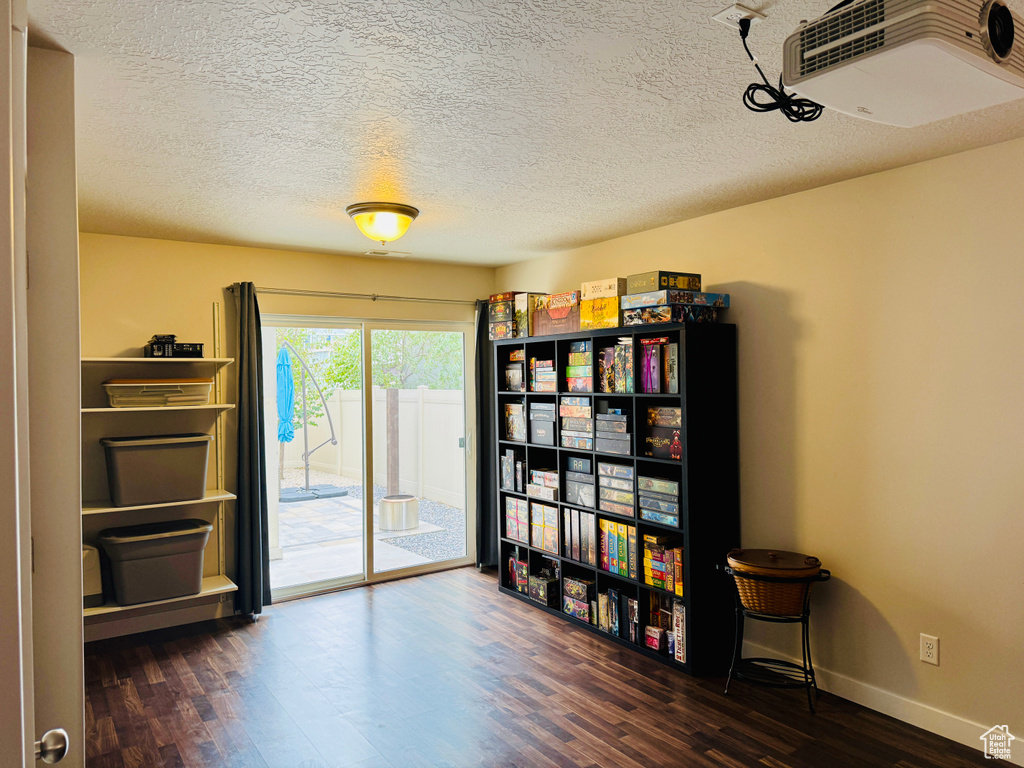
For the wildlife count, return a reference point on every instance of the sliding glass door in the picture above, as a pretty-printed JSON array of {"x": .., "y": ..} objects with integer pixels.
[
  {"x": 419, "y": 447},
  {"x": 313, "y": 402},
  {"x": 368, "y": 454}
]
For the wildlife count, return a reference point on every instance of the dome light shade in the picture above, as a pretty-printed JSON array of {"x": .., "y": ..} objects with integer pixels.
[{"x": 382, "y": 221}]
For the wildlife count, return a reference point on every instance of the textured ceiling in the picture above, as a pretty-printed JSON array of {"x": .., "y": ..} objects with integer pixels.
[{"x": 518, "y": 127}]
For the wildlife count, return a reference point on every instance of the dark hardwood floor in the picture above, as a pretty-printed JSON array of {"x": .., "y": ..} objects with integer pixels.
[{"x": 441, "y": 670}]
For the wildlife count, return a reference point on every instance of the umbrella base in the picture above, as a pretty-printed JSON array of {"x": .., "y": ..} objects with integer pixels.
[
  {"x": 296, "y": 494},
  {"x": 328, "y": 491},
  {"x": 315, "y": 492}
]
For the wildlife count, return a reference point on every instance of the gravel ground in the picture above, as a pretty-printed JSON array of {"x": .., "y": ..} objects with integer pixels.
[{"x": 440, "y": 545}]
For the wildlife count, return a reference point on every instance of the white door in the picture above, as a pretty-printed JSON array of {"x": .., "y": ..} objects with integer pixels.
[
  {"x": 16, "y": 705},
  {"x": 40, "y": 616},
  {"x": 54, "y": 400}
]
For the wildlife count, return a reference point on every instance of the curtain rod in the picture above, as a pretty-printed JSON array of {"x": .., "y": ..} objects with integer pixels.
[{"x": 364, "y": 296}]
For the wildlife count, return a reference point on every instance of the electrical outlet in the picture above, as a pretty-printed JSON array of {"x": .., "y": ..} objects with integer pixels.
[
  {"x": 930, "y": 649},
  {"x": 731, "y": 16}
]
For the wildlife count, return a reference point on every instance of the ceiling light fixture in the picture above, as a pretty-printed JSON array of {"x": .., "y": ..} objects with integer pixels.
[{"x": 382, "y": 221}]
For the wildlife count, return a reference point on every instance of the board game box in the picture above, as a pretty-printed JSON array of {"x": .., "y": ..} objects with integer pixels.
[
  {"x": 654, "y": 298},
  {"x": 644, "y": 282}
]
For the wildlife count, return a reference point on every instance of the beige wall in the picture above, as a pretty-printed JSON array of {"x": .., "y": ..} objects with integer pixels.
[
  {"x": 135, "y": 287},
  {"x": 881, "y": 412}
]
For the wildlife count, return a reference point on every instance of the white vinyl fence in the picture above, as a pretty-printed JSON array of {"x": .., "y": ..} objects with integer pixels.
[{"x": 431, "y": 424}]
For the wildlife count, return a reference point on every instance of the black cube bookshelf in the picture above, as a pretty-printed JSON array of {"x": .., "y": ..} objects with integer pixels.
[{"x": 706, "y": 473}]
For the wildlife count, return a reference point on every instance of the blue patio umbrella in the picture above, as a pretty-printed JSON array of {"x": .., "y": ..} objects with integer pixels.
[{"x": 285, "y": 397}]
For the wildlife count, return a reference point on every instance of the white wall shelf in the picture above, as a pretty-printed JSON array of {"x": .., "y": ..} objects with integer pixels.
[
  {"x": 220, "y": 362},
  {"x": 154, "y": 408},
  {"x": 212, "y": 585},
  {"x": 111, "y": 619},
  {"x": 104, "y": 506}
]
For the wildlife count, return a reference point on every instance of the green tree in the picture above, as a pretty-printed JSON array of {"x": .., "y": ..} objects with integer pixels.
[
  {"x": 315, "y": 346},
  {"x": 410, "y": 359},
  {"x": 401, "y": 360}
]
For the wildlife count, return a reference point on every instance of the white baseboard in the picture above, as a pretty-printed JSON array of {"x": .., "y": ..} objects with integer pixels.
[{"x": 921, "y": 715}]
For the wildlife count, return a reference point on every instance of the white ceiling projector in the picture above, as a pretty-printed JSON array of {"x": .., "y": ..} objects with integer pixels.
[{"x": 908, "y": 62}]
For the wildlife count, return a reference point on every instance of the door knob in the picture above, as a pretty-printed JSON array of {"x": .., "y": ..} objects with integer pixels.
[{"x": 53, "y": 746}]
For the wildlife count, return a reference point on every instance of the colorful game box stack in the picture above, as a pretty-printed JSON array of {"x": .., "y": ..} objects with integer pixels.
[
  {"x": 658, "y": 634},
  {"x": 579, "y": 372},
  {"x": 515, "y": 422},
  {"x": 512, "y": 471},
  {"x": 615, "y": 367},
  {"x": 517, "y": 520},
  {"x": 662, "y": 438},
  {"x": 618, "y": 548},
  {"x": 543, "y": 377},
  {"x": 641, "y": 299},
  {"x": 659, "y": 500},
  {"x": 543, "y": 485},
  {"x": 659, "y": 366},
  {"x": 632, "y": 619},
  {"x": 574, "y": 412},
  {"x": 662, "y": 294},
  {"x": 501, "y": 322},
  {"x": 663, "y": 564},
  {"x": 613, "y": 435},
  {"x": 544, "y": 527},
  {"x": 615, "y": 491},
  {"x": 579, "y": 537},
  {"x": 577, "y": 595},
  {"x": 669, "y": 297},
  {"x": 666, "y": 630},
  {"x": 519, "y": 570},
  {"x": 542, "y": 423},
  {"x": 609, "y": 609},
  {"x": 672, "y": 306}
]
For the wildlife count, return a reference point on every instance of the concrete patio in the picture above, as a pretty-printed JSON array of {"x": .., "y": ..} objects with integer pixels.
[{"x": 322, "y": 539}]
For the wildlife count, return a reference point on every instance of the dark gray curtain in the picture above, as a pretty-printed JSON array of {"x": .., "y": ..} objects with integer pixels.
[
  {"x": 487, "y": 446},
  {"x": 251, "y": 534}
]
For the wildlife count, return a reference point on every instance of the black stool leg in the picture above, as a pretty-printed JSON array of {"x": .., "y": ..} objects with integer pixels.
[
  {"x": 738, "y": 646},
  {"x": 808, "y": 666}
]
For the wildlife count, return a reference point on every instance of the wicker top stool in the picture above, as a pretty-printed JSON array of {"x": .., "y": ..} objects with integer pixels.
[{"x": 774, "y": 586}]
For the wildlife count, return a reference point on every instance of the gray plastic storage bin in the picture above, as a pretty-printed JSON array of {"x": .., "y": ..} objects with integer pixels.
[
  {"x": 157, "y": 469},
  {"x": 156, "y": 561}
]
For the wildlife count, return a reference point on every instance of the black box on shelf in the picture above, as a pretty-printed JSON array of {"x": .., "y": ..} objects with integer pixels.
[
  {"x": 168, "y": 349},
  {"x": 644, "y": 282},
  {"x": 663, "y": 443},
  {"x": 580, "y": 494},
  {"x": 542, "y": 432},
  {"x": 619, "y": 447},
  {"x": 544, "y": 589}
]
